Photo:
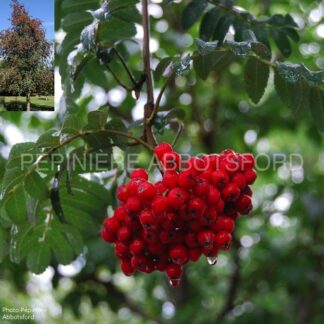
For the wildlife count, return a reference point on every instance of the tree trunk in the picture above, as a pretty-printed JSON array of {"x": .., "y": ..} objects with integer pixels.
[{"x": 28, "y": 102}]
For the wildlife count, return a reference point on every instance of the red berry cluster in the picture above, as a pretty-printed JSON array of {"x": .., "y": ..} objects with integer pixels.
[{"x": 190, "y": 212}]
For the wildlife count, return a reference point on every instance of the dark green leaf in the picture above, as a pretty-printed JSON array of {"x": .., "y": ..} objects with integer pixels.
[
  {"x": 222, "y": 28},
  {"x": 60, "y": 246},
  {"x": 161, "y": 67},
  {"x": 193, "y": 12},
  {"x": 39, "y": 257},
  {"x": 282, "y": 42},
  {"x": 209, "y": 23},
  {"x": 97, "y": 119},
  {"x": 72, "y": 124},
  {"x": 118, "y": 125},
  {"x": 22, "y": 155},
  {"x": 256, "y": 75},
  {"x": 16, "y": 206},
  {"x": 36, "y": 186}
]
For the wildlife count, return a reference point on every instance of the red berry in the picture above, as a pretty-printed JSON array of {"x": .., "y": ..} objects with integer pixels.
[
  {"x": 206, "y": 239},
  {"x": 132, "y": 187},
  {"x": 146, "y": 191},
  {"x": 137, "y": 246},
  {"x": 174, "y": 271},
  {"x": 196, "y": 207},
  {"x": 108, "y": 236},
  {"x": 244, "y": 205},
  {"x": 223, "y": 240},
  {"x": 250, "y": 176},
  {"x": 122, "y": 193},
  {"x": 150, "y": 237},
  {"x": 220, "y": 178},
  {"x": 121, "y": 248},
  {"x": 162, "y": 149},
  {"x": 120, "y": 214},
  {"x": 133, "y": 204},
  {"x": 191, "y": 240},
  {"x": 171, "y": 161},
  {"x": 231, "y": 192},
  {"x": 124, "y": 234},
  {"x": 148, "y": 220},
  {"x": 177, "y": 197},
  {"x": 139, "y": 262},
  {"x": 139, "y": 174},
  {"x": 201, "y": 188},
  {"x": 247, "y": 161},
  {"x": 111, "y": 224},
  {"x": 248, "y": 191},
  {"x": 127, "y": 267},
  {"x": 239, "y": 180},
  {"x": 179, "y": 254},
  {"x": 208, "y": 217},
  {"x": 194, "y": 254},
  {"x": 160, "y": 188},
  {"x": 229, "y": 224},
  {"x": 213, "y": 196},
  {"x": 170, "y": 179},
  {"x": 160, "y": 205},
  {"x": 186, "y": 179},
  {"x": 195, "y": 164}
]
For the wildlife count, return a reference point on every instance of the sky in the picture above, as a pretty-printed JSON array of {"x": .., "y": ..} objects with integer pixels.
[{"x": 41, "y": 9}]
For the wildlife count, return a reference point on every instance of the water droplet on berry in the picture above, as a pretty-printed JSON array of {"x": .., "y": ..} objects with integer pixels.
[
  {"x": 174, "y": 282},
  {"x": 212, "y": 260}
]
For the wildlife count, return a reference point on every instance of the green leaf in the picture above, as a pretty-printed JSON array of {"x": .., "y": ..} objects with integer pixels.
[
  {"x": 204, "y": 64},
  {"x": 294, "y": 94},
  {"x": 72, "y": 124},
  {"x": 161, "y": 67},
  {"x": 79, "y": 219},
  {"x": 60, "y": 246},
  {"x": 48, "y": 139},
  {"x": 114, "y": 31},
  {"x": 74, "y": 237},
  {"x": 16, "y": 206},
  {"x": 222, "y": 28},
  {"x": 118, "y": 125},
  {"x": 36, "y": 187},
  {"x": 76, "y": 21},
  {"x": 256, "y": 75},
  {"x": 261, "y": 50},
  {"x": 209, "y": 23},
  {"x": 192, "y": 12},
  {"x": 282, "y": 42},
  {"x": 39, "y": 257},
  {"x": 316, "y": 98},
  {"x": 97, "y": 119},
  {"x": 205, "y": 47},
  {"x": 70, "y": 6},
  {"x": 22, "y": 155}
]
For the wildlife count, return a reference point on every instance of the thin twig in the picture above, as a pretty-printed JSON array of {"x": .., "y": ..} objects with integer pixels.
[
  {"x": 117, "y": 78},
  {"x": 149, "y": 106},
  {"x": 159, "y": 98},
  {"x": 126, "y": 67}
]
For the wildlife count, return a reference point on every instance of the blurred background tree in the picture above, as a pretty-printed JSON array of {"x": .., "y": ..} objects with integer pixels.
[{"x": 274, "y": 272}]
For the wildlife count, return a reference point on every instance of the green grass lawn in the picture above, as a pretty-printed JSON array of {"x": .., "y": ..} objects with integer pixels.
[{"x": 19, "y": 103}]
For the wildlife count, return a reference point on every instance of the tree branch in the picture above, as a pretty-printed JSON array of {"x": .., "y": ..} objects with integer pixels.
[{"x": 149, "y": 106}]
